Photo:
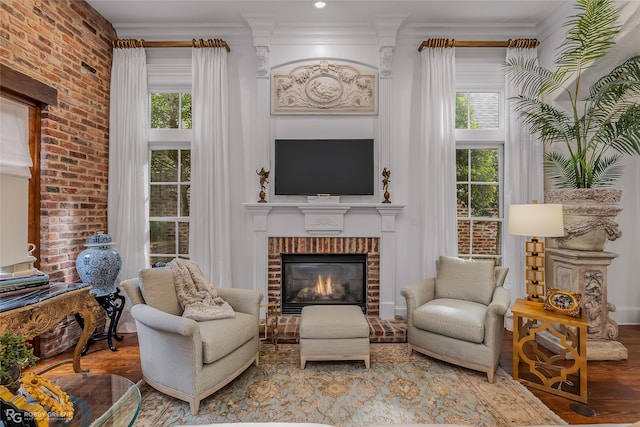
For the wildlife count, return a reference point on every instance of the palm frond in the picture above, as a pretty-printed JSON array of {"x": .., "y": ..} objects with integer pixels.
[
  {"x": 592, "y": 32},
  {"x": 554, "y": 125},
  {"x": 568, "y": 172},
  {"x": 623, "y": 80},
  {"x": 531, "y": 79},
  {"x": 627, "y": 132},
  {"x": 606, "y": 171},
  {"x": 615, "y": 92},
  {"x": 561, "y": 169},
  {"x": 608, "y": 113}
]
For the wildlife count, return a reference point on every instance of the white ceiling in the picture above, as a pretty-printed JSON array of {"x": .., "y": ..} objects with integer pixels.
[
  {"x": 232, "y": 14},
  {"x": 169, "y": 19}
]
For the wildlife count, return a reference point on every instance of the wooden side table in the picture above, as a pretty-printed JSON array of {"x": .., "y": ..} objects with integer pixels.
[
  {"x": 564, "y": 373},
  {"x": 39, "y": 312}
]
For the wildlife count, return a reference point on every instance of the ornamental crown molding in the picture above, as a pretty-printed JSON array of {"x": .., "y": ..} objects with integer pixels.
[{"x": 266, "y": 31}]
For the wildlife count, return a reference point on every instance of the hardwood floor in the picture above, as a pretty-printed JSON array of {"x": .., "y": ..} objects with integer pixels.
[
  {"x": 124, "y": 362},
  {"x": 613, "y": 386}
]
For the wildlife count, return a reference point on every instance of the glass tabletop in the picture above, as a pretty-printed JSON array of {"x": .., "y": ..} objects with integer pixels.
[
  {"x": 99, "y": 400},
  {"x": 29, "y": 296}
]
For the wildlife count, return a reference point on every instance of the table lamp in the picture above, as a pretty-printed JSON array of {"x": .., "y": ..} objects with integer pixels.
[{"x": 535, "y": 220}]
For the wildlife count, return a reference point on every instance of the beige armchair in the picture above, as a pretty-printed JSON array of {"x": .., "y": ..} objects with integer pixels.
[
  {"x": 181, "y": 357},
  {"x": 458, "y": 316}
]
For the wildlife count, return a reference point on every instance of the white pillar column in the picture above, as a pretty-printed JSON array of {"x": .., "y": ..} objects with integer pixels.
[
  {"x": 388, "y": 259},
  {"x": 260, "y": 248},
  {"x": 262, "y": 128},
  {"x": 387, "y": 214},
  {"x": 261, "y": 28},
  {"x": 384, "y": 110}
]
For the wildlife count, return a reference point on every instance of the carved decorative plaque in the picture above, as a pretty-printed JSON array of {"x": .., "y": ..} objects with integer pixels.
[{"x": 324, "y": 88}]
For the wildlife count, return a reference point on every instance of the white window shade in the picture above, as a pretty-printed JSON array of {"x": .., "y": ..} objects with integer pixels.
[{"x": 14, "y": 139}]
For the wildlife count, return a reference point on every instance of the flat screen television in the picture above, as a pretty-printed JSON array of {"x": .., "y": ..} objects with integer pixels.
[{"x": 310, "y": 167}]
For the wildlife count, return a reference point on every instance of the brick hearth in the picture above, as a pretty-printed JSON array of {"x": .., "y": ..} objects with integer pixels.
[{"x": 381, "y": 330}]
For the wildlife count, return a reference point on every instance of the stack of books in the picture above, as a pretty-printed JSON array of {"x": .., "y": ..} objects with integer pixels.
[{"x": 17, "y": 285}]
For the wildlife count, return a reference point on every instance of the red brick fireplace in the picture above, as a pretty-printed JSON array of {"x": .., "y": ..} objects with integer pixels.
[{"x": 277, "y": 246}]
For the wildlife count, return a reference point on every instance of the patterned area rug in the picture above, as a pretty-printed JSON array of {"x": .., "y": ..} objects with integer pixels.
[{"x": 397, "y": 389}]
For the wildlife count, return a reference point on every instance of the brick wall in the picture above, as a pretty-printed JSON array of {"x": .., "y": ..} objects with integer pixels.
[
  {"x": 486, "y": 235},
  {"x": 48, "y": 40}
]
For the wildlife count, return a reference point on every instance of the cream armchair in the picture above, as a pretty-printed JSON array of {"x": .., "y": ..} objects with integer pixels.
[
  {"x": 458, "y": 316},
  {"x": 181, "y": 357}
]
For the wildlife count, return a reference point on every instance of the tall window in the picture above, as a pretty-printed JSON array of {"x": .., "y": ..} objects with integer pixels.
[
  {"x": 169, "y": 175},
  {"x": 479, "y": 174}
]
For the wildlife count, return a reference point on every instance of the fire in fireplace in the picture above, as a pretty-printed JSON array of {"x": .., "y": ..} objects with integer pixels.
[{"x": 323, "y": 279}]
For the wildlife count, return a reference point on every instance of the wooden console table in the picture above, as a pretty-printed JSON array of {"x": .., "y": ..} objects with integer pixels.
[
  {"x": 542, "y": 368},
  {"x": 36, "y": 313}
]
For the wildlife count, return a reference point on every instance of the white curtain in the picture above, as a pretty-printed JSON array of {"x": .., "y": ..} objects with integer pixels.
[
  {"x": 210, "y": 217},
  {"x": 523, "y": 178},
  {"x": 438, "y": 157},
  {"x": 128, "y": 165}
]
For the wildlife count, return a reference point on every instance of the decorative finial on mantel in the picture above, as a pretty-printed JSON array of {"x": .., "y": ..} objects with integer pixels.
[
  {"x": 386, "y": 173},
  {"x": 264, "y": 180}
]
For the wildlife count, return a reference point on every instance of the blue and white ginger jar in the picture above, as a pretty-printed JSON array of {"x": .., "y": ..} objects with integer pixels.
[{"x": 99, "y": 264}]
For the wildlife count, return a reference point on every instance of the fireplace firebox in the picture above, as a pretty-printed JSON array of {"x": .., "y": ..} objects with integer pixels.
[{"x": 330, "y": 279}]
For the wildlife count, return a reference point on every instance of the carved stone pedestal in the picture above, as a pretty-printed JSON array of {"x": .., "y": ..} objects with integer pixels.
[{"x": 585, "y": 272}]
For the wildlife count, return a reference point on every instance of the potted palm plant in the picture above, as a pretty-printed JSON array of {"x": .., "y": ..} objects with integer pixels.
[
  {"x": 587, "y": 132},
  {"x": 15, "y": 354}
]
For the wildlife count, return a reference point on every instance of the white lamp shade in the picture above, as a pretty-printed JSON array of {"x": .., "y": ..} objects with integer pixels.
[{"x": 540, "y": 220}]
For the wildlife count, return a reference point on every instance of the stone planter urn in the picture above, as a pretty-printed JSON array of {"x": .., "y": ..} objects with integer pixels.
[
  {"x": 578, "y": 262},
  {"x": 589, "y": 217}
]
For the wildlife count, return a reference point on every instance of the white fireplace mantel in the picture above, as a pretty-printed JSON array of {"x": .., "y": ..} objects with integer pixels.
[
  {"x": 326, "y": 219},
  {"x": 329, "y": 219}
]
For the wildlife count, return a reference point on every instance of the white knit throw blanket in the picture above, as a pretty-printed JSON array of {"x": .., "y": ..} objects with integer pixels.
[{"x": 196, "y": 294}]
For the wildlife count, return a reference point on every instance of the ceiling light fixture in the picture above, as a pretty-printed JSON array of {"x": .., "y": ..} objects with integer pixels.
[{"x": 320, "y": 4}]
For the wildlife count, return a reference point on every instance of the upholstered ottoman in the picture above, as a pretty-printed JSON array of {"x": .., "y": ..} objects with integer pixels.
[{"x": 333, "y": 332}]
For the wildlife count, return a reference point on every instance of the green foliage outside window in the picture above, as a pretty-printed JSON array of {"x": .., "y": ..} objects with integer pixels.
[
  {"x": 186, "y": 111},
  {"x": 463, "y": 112},
  {"x": 171, "y": 111},
  {"x": 477, "y": 176}
]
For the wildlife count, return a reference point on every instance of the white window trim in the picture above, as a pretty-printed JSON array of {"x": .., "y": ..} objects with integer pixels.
[{"x": 176, "y": 138}]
